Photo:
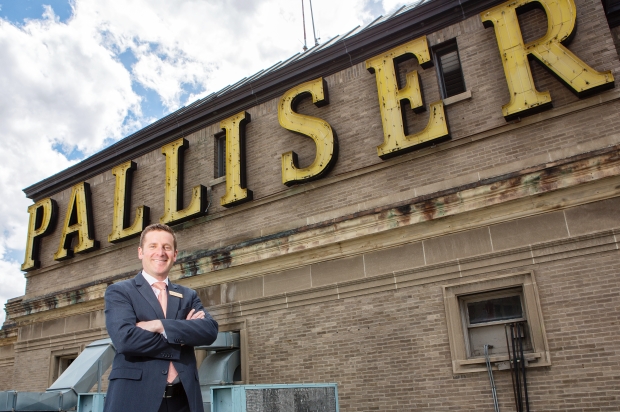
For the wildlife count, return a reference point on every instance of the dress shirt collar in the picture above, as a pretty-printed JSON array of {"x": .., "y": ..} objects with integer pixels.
[{"x": 152, "y": 280}]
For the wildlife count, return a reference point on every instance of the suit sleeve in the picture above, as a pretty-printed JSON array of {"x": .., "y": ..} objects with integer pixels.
[
  {"x": 196, "y": 332},
  {"x": 128, "y": 339}
]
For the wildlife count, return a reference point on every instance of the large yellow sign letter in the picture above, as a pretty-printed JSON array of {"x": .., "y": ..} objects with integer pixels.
[
  {"x": 78, "y": 223},
  {"x": 121, "y": 230},
  {"x": 548, "y": 50},
  {"x": 41, "y": 223},
  {"x": 236, "y": 190},
  {"x": 173, "y": 198},
  {"x": 395, "y": 141},
  {"x": 317, "y": 129}
]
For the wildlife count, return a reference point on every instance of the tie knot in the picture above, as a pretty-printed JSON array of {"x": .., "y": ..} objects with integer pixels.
[{"x": 160, "y": 285}]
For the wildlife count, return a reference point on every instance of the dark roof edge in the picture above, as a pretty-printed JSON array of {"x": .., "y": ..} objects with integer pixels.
[{"x": 424, "y": 19}]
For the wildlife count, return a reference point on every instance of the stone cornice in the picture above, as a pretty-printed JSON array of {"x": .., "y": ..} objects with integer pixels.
[
  {"x": 8, "y": 335},
  {"x": 515, "y": 260}
]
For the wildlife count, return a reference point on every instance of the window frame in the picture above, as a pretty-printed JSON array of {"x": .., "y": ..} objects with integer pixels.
[
  {"x": 220, "y": 155},
  {"x": 458, "y": 334},
  {"x": 482, "y": 296},
  {"x": 57, "y": 358},
  {"x": 443, "y": 49}
]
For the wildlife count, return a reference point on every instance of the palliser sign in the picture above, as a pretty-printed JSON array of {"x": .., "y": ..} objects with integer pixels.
[{"x": 577, "y": 75}]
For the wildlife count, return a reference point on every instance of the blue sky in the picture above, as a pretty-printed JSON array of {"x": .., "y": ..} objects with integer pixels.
[{"x": 18, "y": 10}]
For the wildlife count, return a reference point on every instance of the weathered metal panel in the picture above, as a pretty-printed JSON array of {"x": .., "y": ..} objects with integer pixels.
[
  {"x": 90, "y": 402},
  {"x": 276, "y": 398}
]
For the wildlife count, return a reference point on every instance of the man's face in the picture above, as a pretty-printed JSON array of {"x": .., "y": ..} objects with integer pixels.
[{"x": 157, "y": 253}]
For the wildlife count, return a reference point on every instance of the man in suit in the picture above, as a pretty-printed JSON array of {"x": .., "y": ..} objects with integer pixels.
[{"x": 155, "y": 368}]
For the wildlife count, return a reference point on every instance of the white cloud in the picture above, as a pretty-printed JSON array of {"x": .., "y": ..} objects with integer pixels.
[
  {"x": 64, "y": 85},
  {"x": 60, "y": 87},
  {"x": 12, "y": 282},
  {"x": 211, "y": 43},
  {"x": 390, "y": 6}
]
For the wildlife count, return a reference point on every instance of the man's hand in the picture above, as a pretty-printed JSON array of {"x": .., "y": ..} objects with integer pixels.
[
  {"x": 197, "y": 315},
  {"x": 154, "y": 326}
]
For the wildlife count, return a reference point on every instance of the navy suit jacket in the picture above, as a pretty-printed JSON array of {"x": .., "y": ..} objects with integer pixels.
[{"x": 140, "y": 368}]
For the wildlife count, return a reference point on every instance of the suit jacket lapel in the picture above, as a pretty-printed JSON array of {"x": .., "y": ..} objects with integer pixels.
[
  {"x": 147, "y": 292},
  {"x": 173, "y": 301}
]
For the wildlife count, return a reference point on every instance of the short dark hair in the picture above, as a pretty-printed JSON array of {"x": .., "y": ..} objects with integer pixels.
[{"x": 158, "y": 226}]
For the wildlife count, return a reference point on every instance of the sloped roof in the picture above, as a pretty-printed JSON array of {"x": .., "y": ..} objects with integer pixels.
[
  {"x": 283, "y": 63},
  {"x": 407, "y": 23}
]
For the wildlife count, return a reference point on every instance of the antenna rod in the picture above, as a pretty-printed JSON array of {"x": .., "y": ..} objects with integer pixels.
[
  {"x": 316, "y": 42},
  {"x": 303, "y": 18}
]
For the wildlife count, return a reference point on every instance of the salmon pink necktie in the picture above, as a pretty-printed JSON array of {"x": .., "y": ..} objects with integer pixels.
[{"x": 163, "y": 301}]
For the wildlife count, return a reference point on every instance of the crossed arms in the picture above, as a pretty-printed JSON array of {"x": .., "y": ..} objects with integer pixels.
[{"x": 136, "y": 337}]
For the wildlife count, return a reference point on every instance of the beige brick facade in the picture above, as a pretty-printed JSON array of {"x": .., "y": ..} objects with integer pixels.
[{"x": 341, "y": 279}]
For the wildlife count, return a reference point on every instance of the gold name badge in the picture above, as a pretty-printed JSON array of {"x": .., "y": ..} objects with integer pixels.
[{"x": 178, "y": 295}]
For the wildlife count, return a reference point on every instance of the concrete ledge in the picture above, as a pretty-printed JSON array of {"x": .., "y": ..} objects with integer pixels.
[
  {"x": 458, "y": 98},
  {"x": 34, "y": 335},
  {"x": 517, "y": 259},
  {"x": 71, "y": 339}
]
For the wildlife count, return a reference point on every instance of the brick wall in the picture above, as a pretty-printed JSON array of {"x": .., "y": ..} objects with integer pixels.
[
  {"x": 361, "y": 320},
  {"x": 6, "y": 365},
  {"x": 354, "y": 115},
  {"x": 389, "y": 351}
]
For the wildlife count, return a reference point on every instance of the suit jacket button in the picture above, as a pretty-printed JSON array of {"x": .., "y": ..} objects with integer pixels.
[{"x": 164, "y": 372}]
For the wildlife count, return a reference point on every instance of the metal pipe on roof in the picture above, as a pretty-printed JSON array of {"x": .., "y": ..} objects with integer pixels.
[
  {"x": 316, "y": 42},
  {"x": 303, "y": 19}
]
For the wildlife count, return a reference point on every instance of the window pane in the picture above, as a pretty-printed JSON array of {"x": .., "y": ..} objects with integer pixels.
[
  {"x": 450, "y": 62},
  {"x": 494, "y": 309},
  {"x": 221, "y": 156},
  {"x": 452, "y": 73},
  {"x": 494, "y": 335}
]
